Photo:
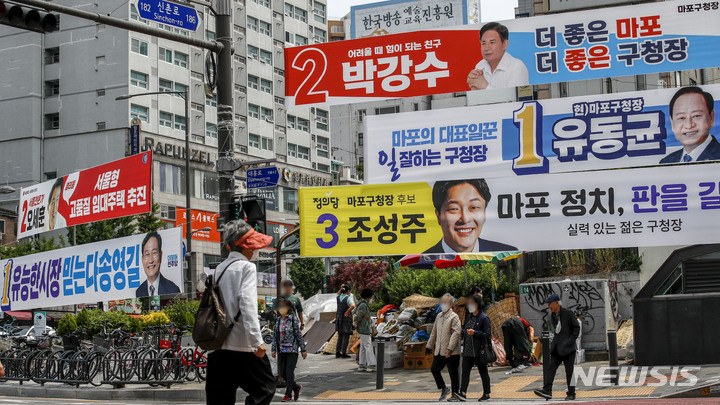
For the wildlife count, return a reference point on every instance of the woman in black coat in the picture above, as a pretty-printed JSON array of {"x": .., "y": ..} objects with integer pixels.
[{"x": 475, "y": 332}]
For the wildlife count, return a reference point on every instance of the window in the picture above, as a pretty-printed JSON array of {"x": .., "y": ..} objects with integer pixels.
[
  {"x": 323, "y": 168},
  {"x": 139, "y": 46},
  {"x": 321, "y": 118},
  {"x": 180, "y": 87},
  {"x": 165, "y": 85},
  {"x": 52, "y": 88},
  {"x": 211, "y": 130},
  {"x": 165, "y": 55},
  {"x": 322, "y": 146},
  {"x": 266, "y": 86},
  {"x": 52, "y": 121},
  {"x": 166, "y": 119},
  {"x": 134, "y": 15},
  {"x": 292, "y": 150},
  {"x": 253, "y": 82},
  {"x": 181, "y": 59},
  {"x": 303, "y": 152},
  {"x": 253, "y": 52},
  {"x": 172, "y": 179},
  {"x": 252, "y": 23},
  {"x": 265, "y": 3},
  {"x": 266, "y": 56},
  {"x": 138, "y": 79},
  {"x": 267, "y": 143},
  {"x": 289, "y": 37},
  {"x": 210, "y": 35},
  {"x": 300, "y": 14},
  {"x": 289, "y": 9},
  {"x": 205, "y": 185},
  {"x": 180, "y": 122},
  {"x": 52, "y": 55},
  {"x": 211, "y": 101},
  {"x": 265, "y": 28},
  {"x": 303, "y": 124},
  {"x": 361, "y": 139},
  {"x": 139, "y": 112},
  {"x": 290, "y": 200},
  {"x": 266, "y": 114},
  {"x": 291, "y": 121},
  {"x": 100, "y": 126},
  {"x": 337, "y": 29},
  {"x": 300, "y": 40},
  {"x": 361, "y": 115},
  {"x": 167, "y": 211},
  {"x": 254, "y": 141},
  {"x": 319, "y": 12},
  {"x": 387, "y": 110},
  {"x": 253, "y": 110},
  {"x": 320, "y": 35}
]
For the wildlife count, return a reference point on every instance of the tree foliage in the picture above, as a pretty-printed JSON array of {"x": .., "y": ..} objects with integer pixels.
[
  {"x": 102, "y": 230},
  {"x": 182, "y": 312},
  {"x": 400, "y": 284},
  {"x": 66, "y": 325},
  {"x": 307, "y": 275},
  {"x": 151, "y": 221},
  {"x": 360, "y": 274},
  {"x": 31, "y": 246}
]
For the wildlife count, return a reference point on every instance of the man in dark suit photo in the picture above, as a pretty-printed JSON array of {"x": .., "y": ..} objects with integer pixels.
[
  {"x": 692, "y": 116},
  {"x": 562, "y": 348},
  {"x": 155, "y": 284},
  {"x": 460, "y": 209}
]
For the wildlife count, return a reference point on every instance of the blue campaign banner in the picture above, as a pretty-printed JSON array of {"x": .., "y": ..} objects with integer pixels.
[
  {"x": 263, "y": 177},
  {"x": 606, "y": 131},
  {"x": 132, "y": 267},
  {"x": 166, "y": 12},
  {"x": 615, "y": 41}
]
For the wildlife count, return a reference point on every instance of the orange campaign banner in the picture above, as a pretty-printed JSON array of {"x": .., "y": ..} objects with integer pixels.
[{"x": 199, "y": 220}]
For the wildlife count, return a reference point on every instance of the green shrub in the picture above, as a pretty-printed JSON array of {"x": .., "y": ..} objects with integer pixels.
[
  {"x": 135, "y": 324},
  {"x": 182, "y": 312},
  {"x": 83, "y": 318},
  {"x": 66, "y": 325}
]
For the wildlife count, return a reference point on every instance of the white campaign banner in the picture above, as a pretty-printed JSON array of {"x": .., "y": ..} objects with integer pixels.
[
  {"x": 656, "y": 206},
  {"x": 545, "y": 136},
  {"x": 131, "y": 267}
]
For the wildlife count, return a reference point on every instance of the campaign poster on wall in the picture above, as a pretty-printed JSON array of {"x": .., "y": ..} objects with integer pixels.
[
  {"x": 657, "y": 206},
  {"x": 616, "y": 41},
  {"x": 603, "y": 131},
  {"x": 112, "y": 190},
  {"x": 146, "y": 265}
]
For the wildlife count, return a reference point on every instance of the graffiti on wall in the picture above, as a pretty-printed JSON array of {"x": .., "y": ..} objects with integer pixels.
[{"x": 582, "y": 297}]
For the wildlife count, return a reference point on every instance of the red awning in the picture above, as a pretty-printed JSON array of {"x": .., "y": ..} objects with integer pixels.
[{"x": 23, "y": 315}]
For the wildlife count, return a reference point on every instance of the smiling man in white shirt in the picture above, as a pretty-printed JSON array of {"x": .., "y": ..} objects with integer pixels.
[{"x": 498, "y": 69}]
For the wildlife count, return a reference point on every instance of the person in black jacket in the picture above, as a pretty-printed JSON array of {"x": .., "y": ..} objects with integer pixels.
[
  {"x": 474, "y": 333},
  {"x": 562, "y": 347}
]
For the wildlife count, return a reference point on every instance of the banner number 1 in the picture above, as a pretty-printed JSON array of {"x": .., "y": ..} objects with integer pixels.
[{"x": 530, "y": 159}]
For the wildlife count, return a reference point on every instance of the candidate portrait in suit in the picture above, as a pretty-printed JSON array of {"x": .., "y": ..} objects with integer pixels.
[
  {"x": 155, "y": 284},
  {"x": 460, "y": 207},
  {"x": 692, "y": 116}
]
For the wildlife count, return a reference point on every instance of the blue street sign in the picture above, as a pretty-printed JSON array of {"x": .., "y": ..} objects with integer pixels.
[
  {"x": 135, "y": 136},
  {"x": 263, "y": 177},
  {"x": 165, "y": 12}
]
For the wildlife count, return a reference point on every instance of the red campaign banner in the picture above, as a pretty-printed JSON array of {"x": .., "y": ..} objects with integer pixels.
[
  {"x": 113, "y": 190},
  {"x": 199, "y": 220},
  {"x": 401, "y": 65}
]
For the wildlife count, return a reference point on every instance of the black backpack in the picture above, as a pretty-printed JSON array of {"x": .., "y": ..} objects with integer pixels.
[{"x": 211, "y": 320}]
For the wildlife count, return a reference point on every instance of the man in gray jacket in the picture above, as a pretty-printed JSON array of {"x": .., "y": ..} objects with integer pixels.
[{"x": 241, "y": 363}]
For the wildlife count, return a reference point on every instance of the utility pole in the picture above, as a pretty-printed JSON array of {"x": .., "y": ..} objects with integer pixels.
[{"x": 225, "y": 123}]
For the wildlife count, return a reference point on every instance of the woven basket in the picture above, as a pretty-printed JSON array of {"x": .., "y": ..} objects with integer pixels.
[
  {"x": 498, "y": 313},
  {"x": 418, "y": 301}
]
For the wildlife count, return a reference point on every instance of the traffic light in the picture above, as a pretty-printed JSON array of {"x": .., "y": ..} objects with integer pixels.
[
  {"x": 236, "y": 210},
  {"x": 27, "y": 18},
  {"x": 254, "y": 211}
]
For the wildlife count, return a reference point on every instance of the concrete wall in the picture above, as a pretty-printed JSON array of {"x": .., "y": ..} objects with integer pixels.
[{"x": 652, "y": 259}]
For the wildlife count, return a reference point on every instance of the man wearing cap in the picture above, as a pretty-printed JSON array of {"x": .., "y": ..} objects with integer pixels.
[
  {"x": 562, "y": 347},
  {"x": 287, "y": 293}
]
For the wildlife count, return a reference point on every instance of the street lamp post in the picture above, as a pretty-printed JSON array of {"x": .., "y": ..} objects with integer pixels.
[{"x": 188, "y": 220}]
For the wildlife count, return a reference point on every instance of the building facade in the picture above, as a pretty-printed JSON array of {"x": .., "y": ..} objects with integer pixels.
[{"x": 62, "y": 114}]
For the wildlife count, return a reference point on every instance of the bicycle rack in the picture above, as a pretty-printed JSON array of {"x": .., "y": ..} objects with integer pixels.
[{"x": 121, "y": 368}]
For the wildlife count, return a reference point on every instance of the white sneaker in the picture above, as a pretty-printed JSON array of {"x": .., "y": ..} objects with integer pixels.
[
  {"x": 371, "y": 369},
  {"x": 361, "y": 368}
]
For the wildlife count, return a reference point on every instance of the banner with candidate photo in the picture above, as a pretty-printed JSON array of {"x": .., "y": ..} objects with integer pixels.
[
  {"x": 131, "y": 267},
  {"x": 617, "y": 41},
  {"x": 657, "y": 206},
  {"x": 112, "y": 190},
  {"x": 604, "y": 131}
]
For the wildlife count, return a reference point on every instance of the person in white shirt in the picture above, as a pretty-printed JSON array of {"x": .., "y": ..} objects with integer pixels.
[
  {"x": 692, "y": 115},
  {"x": 241, "y": 363},
  {"x": 498, "y": 69}
]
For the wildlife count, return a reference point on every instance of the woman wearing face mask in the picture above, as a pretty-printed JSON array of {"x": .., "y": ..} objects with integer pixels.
[
  {"x": 287, "y": 342},
  {"x": 343, "y": 320},
  {"x": 244, "y": 345},
  {"x": 363, "y": 319},
  {"x": 476, "y": 330},
  {"x": 444, "y": 343}
]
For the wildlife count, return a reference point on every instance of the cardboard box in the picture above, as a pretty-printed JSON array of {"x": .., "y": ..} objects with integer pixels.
[
  {"x": 393, "y": 359},
  {"x": 415, "y": 348},
  {"x": 418, "y": 362}
]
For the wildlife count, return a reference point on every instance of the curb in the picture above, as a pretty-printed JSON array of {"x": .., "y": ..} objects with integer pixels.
[{"x": 105, "y": 394}]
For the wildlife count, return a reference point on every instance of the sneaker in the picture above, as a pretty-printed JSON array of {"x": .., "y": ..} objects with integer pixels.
[
  {"x": 286, "y": 398},
  {"x": 371, "y": 369},
  {"x": 570, "y": 396},
  {"x": 296, "y": 392},
  {"x": 444, "y": 394},
  {"x": 345, "y": 356},
  {"x": 543, "y": 394},
  {"x": 337, "y": 355},
  {"x": 460, "y": 396},
  {"x": 361, "y": 368},
  {"x": 453, "y": 398},
  {"x": 485, "y": 397}
]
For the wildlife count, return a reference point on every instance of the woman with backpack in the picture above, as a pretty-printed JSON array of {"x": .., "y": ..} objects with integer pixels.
[{"x": 287, "y": 343}]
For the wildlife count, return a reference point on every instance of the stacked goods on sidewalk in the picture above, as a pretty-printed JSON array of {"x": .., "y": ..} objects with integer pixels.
[{"x": 415, "y": 357}]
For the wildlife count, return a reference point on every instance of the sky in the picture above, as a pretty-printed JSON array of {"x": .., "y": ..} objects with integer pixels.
[{"x": 490, "y": 10}]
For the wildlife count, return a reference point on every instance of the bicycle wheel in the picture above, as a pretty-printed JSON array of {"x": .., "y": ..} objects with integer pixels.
[
  {"x": 111, "y": 365},
  {"x": 200, "y": 364},
  {"x": 129, "y": 364},
  {"x": 92, "y": 367}
]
